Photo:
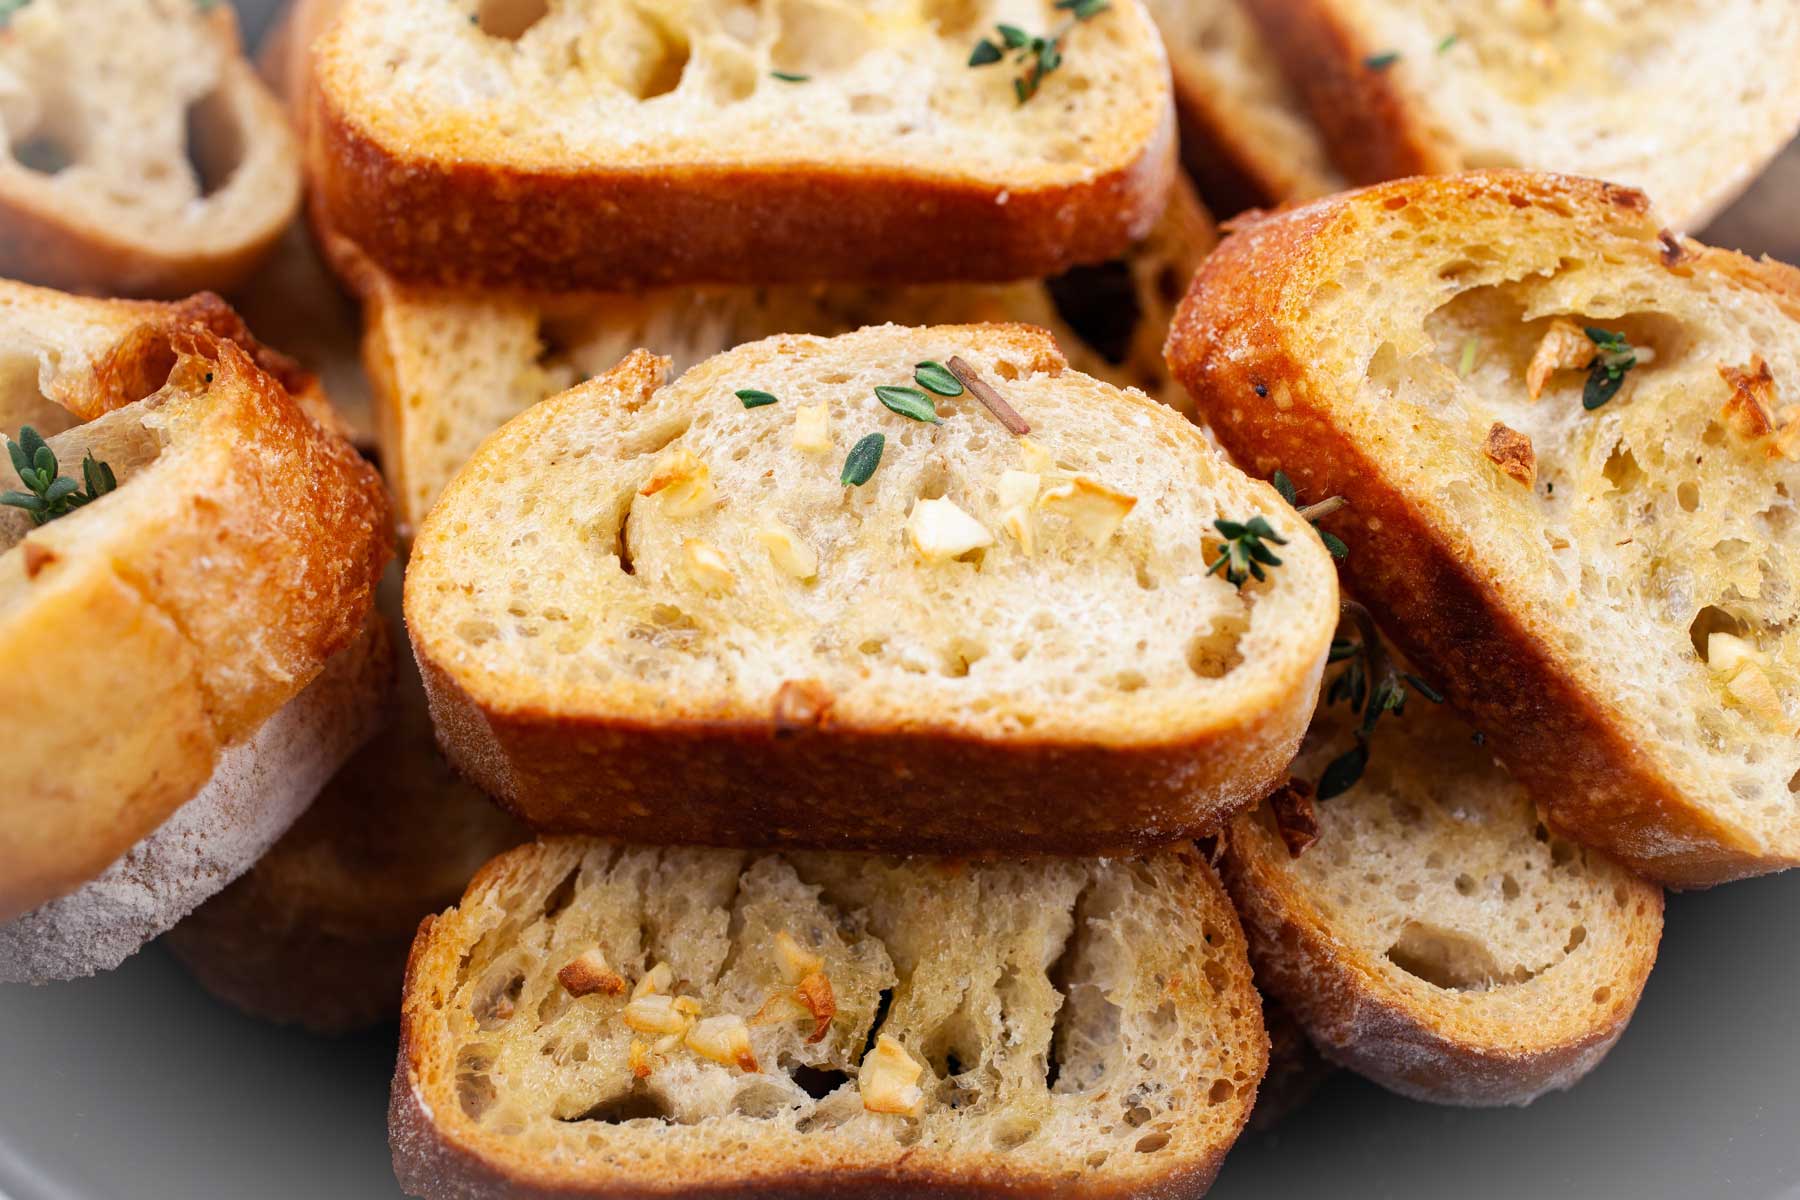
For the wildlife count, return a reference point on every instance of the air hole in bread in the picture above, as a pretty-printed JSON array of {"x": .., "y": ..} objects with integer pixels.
[
  {"x": 1221, "y": 1091},
  {"x": 819, "y": 36},
  {"x": 871, "y": 105},
  {"x": 819, "y": 1082},
  {"x": 1100, "y": 304},
  {"x": 561, "y": 895},
  {"x": 1445, "y": 958},
  {"x": 1577, "y": 936},
  {"x": 953, "y": 17},
  {"x": 1794, "y": 783},
  {"x": 637, "y": 1104},
  {"x": 509, "y": 19},
  {"x": 1014, "y": 1131},
  {"x": 1150, "y": 1143},
  {"x": 1622, "y": 469},
  {"x": 762, "y": 1100},
  {"x": 1688, "y": 495},
  {"x": 1711, "y": 620},
  {"x": 215, "y": 142},
  {"x": 1214, "y": 653},
  {"x": 44, "y": 153},
  {"x": 475, "y": 1093},
  {"x": 883, "y": 1003},
  {"x": 962, "y": 654}
]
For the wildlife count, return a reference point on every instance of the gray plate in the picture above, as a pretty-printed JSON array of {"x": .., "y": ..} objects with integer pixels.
[{"x": 138, "y": 1086}]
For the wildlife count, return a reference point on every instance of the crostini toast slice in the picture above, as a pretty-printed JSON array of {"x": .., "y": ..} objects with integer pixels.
[
  {"x": 1567, "y": 440},
  {"x": 767, "y": 603},
  {"x": 614, "y": 146},
  {"x": 146, "y": 158},
  {"x": 598, "y": 1020},
  {"x": 1685, "y": 99}
]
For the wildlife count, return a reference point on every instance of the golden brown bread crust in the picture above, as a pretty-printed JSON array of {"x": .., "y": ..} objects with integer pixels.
[
  {"x": 1369, "y": 130},
  {"x": 893, "y": 789},
  {"x": 463, "y": 223},
  {"x": 1302, "y": 963},
  {"x": 278, "y": 548},
  {"x": 1251, "y": 384}
]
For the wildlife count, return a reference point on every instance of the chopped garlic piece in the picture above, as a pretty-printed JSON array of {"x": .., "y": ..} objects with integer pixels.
[
  {"x": 788, "y": 551},
  {"x": 640, "y": 1058},
  {"x": 1095, "y": 509},
  {"x": 797, "y": 961},
  {"x": 1018, "y": 487},
  {"x": 888, "y": 1079},
  {"x": 812, "y": 428},
  {"x": 1753, "y": 692},
  {"x": 1726, "y": 652},
  {"x": 656, "y": 1014},
  {"x": 656, "y": 981},
  {"x": 684, "y": 482},
  {"x": 1038, "y": 460},
  {"x": 940, "y": 531},
  {"x": 588, "y": 973},
  {"x": 706, "y": 565},
  {"x": 1566, "y": 346},
  {"x": 724, "y": 1039}
]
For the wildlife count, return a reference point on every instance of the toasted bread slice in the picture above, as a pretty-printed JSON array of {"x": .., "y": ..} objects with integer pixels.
[
  {"x": 146, "y": 157},
  {"x": 1246, "y": 136},
  {"x": 258, "y": 788},
  {"x": 611, "y": 146},
  {"x": 239, "y": 552},
  {"x": 1080, "y": 1027},
  {"x": 1437, "y": 938},
  {"x": 1607, "y": 592},
  {"x": 1685, "y": 99},
  {"x": 316, "y": 933},
  {"x": 649, "y": 609},
  {"x": 449, "y": 368}
]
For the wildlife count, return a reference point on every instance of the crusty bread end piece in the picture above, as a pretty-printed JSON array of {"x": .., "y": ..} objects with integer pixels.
[
  {"x": 1437, "y": 938},
  {"x": 647, "y": 609},
  {"x": 612, "y": 146},
  {"x": 257, "y": 789},
  {"x": 1610, "y": 592},
  {"x": 860, "y": 1026},
  {"x": 239, "y": 552},
  {"x": 144, "y": 157}
]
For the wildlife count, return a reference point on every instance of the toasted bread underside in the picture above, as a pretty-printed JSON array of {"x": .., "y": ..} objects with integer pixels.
[
  {"x": 1686, "y": 99},
  {"x": 1245, "y": 134},
  {"x": 648, "y": 610},
  {"x": 1437, "y": 937},
  {"x": 1568, "y": 574},
  {"x": 1079, "y": 1026},
  {"x": 316, "y": 933},
  {"x": 613, "y": 146},
  {"x": 239, "y": 552},
  {"x": 448, "y": 368},
  {"x": 145, "y": 156},
  {"x": 257, "y": 789}
]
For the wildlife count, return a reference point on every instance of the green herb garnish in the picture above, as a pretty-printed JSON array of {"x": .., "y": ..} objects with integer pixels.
[
  {"x": 1447, "y": 41},
  {"x": 1382, "y": 61},
  {"x": 52, "y": 495},
  {"x": 1606, "y": 374},
  {"x": 1037, "y": 56},
  {"x": 754, "y": 398},
  {"x": 1313, "y": 513},
  {"x": 936, "y": 377},
  {"x": 1246, "y": 551},
  {"x": 1467, "y": 362},
  {"x": 864, "y": 457},
  {"x": 1371, "y": 685},
  {"x": 10, "y": 9},
  {"x": 908, "y": 402},
  {"x": 789, "y": 77}
]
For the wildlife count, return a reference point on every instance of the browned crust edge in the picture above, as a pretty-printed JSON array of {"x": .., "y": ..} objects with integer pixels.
[
  {"x": 1228, "y": 344},
  {"x": 1372, "y": 131},
  {"x": 886, "y": 789},
  {"x": 466, "y": 223},
  {"x": 321, "y": 982},
  {"x": 1225, "y": 165},
  {"x": 1358, "y": 1023}
]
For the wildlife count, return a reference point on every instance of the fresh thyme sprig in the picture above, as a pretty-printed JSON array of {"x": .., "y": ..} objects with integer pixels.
[
  {"x": 1037, "y": 56},
  {"x": 1371, "y": 685},
  {"x": 1314, "y": 513},
  {"x": 1245, "y": 551},
  {"x": 52, "y": 495},
  {"x": 1606, "y": 374}
]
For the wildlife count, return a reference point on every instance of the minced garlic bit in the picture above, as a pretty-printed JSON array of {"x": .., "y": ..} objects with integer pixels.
[
  {"x": 889, "y": 1077},
  {"x": 812, "y": 428},
  {"x": 1753, "y": 411},
  {"x": 789, "y": 551},
  {"x": 656, "y": 981},
  {"x": 1038, "y": 460},
  {"x": 815, "y": 993},
  {"x": 707, "y": 566},
  {"x": 1565, "y": 347},
  {"x": 1018, "y": 492},
  {"x": 724, "y": 1039},
  {"x": 667, "y": 1015},
  {"x": 1744, "y": 669},
  {"x": 589, "y": 973},
  {"x": 797, "y": 962},
  {"x": 640, "y": 1058},
  {"x": 940, "y": 531},
  {"x": 684, "y": 482},
  {"x": 1095, "y": 509},
  {"x": 1511, "y": 451}
]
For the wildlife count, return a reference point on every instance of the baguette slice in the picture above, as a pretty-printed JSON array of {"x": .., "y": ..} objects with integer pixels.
[
  {"x": 617, "y": 145},
  {"x": 1563, "y": 572},
  {"x": 1246, "y": 136},
  {"x": 448, "y": 368},
  {"x": 645, "y": 609},
  {"x": 1686, "y": 99},
  {"x": 144, "y": 635},
  {"x": 316, "y": 933},
  {"x": 257, "y": 790},
  {"x": 145, "y": 156},
  {"x": 1437, "y": 938},
  {"x": 1078, "y": 1027}
]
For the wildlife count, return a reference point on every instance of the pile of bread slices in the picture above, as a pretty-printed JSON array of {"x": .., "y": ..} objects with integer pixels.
[{"x": 980, "y": 663}]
